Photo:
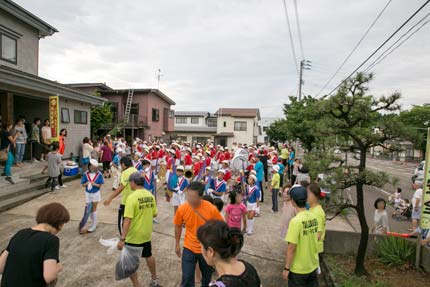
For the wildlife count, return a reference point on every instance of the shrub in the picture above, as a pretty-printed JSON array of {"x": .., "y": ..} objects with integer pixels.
[{"x": 395, "y": 251}]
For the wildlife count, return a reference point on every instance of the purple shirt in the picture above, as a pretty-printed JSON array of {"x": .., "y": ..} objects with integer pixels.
[{"x": 107, "y": 153}]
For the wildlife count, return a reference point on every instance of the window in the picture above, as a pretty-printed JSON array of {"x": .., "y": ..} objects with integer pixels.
[
  {"x": 81, "y": 117},
  {"x": 225, "y": 124},
  {"x": 265, "y": 129},
  {"x": 171, "y": 114},
  {"x": 240, "y": 126},
  {"x": 65, "y": 116},
  {"x": 212, "y": 123},
  {"x": 155, "y": 115},
  {"x": 181, "y": 120},
  {"x": 8, "y": 49},
  {"x": 202, "y": 140},
  {"x": 194, "y": 121}
]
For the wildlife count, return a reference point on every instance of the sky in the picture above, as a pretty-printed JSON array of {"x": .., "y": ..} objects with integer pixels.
[{"x": 230, "y": 53}]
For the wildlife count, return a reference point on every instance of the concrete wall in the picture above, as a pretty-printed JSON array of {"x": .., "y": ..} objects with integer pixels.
[
  {"x": 27, "y": 44},
  {"x": 346, "y": 243},
  {"x": 76, "y": 132}
]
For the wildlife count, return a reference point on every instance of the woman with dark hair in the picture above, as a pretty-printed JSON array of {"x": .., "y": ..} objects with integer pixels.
[
  {"x": 7, "y": 143},
  {"x": 87, "y": 149},
  {"x": 31, "y": 258},
  {"x": 106, "y": 158},
  {"x": 62, "y": 140},
  {"x": 380, "y": 219},
  {"x": 220, "y": 246}
]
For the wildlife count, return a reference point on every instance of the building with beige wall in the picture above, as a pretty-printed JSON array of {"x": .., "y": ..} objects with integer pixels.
[{"x": 194, "y": 126}]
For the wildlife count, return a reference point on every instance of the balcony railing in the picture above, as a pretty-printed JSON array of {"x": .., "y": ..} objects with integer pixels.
[{"x": 135, "y": 121}]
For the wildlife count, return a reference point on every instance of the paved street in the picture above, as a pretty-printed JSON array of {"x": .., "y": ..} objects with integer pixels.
[
  {"x": 403, "y": 172},
  {"x": 86, "y": 262}
]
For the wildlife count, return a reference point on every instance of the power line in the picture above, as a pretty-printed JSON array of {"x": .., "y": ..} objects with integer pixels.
[
  {"x": 299, "y": 30},
  {"x": 379, "y": 48},
  {"x": 355, "y": 47},
  {"x": 291, "y": 36},
  {"x": 387, "y": 52}
]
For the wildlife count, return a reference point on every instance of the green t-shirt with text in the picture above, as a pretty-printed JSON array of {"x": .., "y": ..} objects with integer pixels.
[
  {"x": 125, "y": 181},
  {"x": 141, "y": 208},
  {"x": 303, "y": 232},
  {"x": 318, "y": 211}
]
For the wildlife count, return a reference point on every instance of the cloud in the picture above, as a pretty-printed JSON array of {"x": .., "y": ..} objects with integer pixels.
[{"x": 226, "y": 53}]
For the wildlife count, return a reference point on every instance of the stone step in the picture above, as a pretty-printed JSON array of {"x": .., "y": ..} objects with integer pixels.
[
  {"x": 20, "y": 199},
  {"x": 20, "y": 188}
]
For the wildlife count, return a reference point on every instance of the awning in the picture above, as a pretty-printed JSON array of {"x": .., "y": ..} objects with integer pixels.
[
  {"x": 225, "y": 134},
  {"x": 21, "y": 82}
]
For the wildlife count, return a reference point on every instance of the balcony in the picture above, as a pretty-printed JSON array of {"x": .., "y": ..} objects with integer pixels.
[{"x": 135, "y": 121}]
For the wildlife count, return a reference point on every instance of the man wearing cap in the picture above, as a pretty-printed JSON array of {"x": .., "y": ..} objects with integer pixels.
[
  {"x": 92, "y": 180},
  {"x": 140, "y": 210},
  {"x": 219, "y": 186},
  {"x": 302, "y": 252},
  {"x": 178, "y": 197}
]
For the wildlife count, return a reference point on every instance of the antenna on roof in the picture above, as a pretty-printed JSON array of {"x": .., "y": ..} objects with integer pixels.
[{"x": 159, "y": 78}]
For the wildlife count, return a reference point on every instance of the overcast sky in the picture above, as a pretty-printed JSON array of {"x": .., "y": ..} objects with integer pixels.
[{"x": 228, "y": 53}]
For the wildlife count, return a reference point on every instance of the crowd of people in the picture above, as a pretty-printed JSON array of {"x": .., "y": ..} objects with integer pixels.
[{"x": 215, "y": 201}]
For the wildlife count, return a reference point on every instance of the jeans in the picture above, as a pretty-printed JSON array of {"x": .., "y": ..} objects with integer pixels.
[
  {"x": 189, "y": 260},
  {"x": 275, "y": 199},
  {"x": 260, "y": 184},
  {"x": 20, "y": 149},
  {"x": 9, "y": 163}
]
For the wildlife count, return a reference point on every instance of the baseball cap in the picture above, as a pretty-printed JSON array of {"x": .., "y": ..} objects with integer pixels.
[
  {"x": 276, "y": 168},
  {"x": 298, "y": 193},
  {"x": 180, "y": 168}
]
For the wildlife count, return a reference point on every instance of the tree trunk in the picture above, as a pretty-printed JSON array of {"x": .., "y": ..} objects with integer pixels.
[
  {"x": 361, "y": 253},
  {"x": 362, "y": 247}
]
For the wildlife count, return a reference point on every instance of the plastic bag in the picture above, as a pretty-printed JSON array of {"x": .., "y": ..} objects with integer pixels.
[
  {"x": 128, "y": 262},
  {"x": 111, "y": 243}
]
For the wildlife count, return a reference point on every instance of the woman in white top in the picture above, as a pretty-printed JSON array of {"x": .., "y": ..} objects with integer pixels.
[
  {"x": 380, "y": 225},
  {"x": 87, "y": 149}
]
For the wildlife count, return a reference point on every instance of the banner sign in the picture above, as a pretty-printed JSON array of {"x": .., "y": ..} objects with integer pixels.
[
  {"x": 54, "y": 117},
  {"x": 425, "y": 211}
]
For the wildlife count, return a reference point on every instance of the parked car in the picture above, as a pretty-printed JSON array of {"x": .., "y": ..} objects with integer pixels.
[{"x": 419, "y": 172}]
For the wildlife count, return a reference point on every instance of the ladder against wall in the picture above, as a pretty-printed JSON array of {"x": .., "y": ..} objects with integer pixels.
[{"x": 128, "y": 106}]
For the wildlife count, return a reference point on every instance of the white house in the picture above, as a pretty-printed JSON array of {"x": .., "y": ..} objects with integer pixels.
[
  {"x": 237, "y": 125},
  {"x": 264, "y": 124},
  {"x": 194, "y": 126}
]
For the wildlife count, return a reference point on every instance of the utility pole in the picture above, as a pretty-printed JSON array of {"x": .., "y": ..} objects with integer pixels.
[
  {"x": 159, "y": 78},
  {"x": 304, "y": 65}
]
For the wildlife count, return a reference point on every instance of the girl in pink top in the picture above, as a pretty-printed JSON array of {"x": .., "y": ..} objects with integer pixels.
[{"x": 235, "y": 212}]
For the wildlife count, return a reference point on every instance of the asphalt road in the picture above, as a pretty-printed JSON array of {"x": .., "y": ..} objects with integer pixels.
[{"x": 403, "y": 172}]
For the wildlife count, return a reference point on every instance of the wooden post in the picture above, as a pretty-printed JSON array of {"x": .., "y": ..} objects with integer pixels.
[{"x": 6, "y": 107}]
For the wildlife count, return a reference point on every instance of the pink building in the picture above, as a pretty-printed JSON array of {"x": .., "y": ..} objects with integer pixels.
[{"x": 151, "y": 116}]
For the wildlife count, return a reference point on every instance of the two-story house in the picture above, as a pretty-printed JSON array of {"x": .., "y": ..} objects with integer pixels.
[
  {"x": 195, "y": 126},
  {"x": 23, "y": 92},
  {"x": 151, "y": 116},
  {"x": 237, "y": 125}
]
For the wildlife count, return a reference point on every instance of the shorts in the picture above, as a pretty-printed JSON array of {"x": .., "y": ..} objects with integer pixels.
[
  {"x": 85, "y": 160},
  {"x": 92, "y": 197},
  {"x": 251, "y": 206},
  {"x": 303, "y": 280},
  {"x": 178, "y": 199},
  {"x": 106, "y": 165},
  {"x": 147, "y": 248},
  {"x": 416, "y": 214}
]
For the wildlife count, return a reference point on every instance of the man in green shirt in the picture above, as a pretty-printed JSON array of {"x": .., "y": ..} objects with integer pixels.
[
  {"x": 302, "y": 253},
  {"x": 124, "y": 188},
  {"x": 140, "y": 210}
]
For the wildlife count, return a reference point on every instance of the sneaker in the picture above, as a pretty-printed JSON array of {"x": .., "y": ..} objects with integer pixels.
[
  {"x": 155, "y": 221},
  {"x": 63, "y": 186},
  {"x": 154, "y": 283},
  {"x": 92, "y": 229},
  {"x": 42, "y": 159},
  {"x": 10, "y": 180},
  {"x": 249, "y": 233},
  {"x": 35, "y": 160},
  {"x": 57, "y": 187}
]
